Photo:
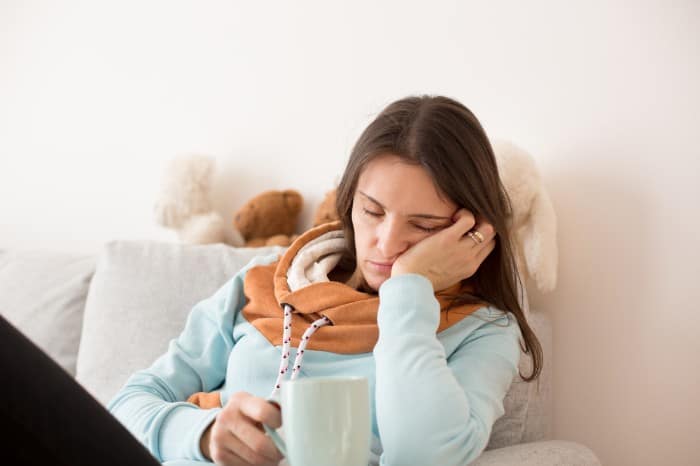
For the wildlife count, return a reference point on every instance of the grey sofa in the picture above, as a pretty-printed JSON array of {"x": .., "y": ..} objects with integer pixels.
[{"x": 103, "y": 317}]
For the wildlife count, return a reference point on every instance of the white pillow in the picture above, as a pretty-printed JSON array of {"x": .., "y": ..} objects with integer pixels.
[
  {"x": 139, "y": 299},
  {"x": 43, "y": 294}
]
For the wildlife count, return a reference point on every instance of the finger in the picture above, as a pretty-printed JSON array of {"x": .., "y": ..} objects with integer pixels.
[
  {"x": 480, "y": 235},
  {"x": 472, "y": 242},
  {"x": 261, "y": 410},
  {"x": 463, "y": 222},
  {"x": 222, "y": 453},
  {"x": 485, "y": 228},
  {"x": 253, "y": 436},
  {"x": 461, "y": 213},
  {"x": 230, "y": 458},
  {"x": 235, "y": 445},
  {"x": 224, "y": 456}
]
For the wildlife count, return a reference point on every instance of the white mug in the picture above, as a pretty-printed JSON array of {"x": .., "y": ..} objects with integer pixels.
[{"x": 326, "y": 421}]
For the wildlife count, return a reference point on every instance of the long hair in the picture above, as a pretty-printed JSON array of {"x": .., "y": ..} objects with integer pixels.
[{"x": 446, "y": 139}]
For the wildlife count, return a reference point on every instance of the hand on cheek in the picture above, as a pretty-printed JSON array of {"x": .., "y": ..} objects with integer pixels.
[{"x": 450, "y": 255}]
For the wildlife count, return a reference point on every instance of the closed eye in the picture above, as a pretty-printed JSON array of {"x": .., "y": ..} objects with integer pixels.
[
  {"x": 419, "y": 227},
  {"x": 373, "y": 214},
  {"x": 427, "y": 229}
]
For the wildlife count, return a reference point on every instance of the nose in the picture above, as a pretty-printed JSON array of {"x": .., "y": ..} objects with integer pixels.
[{"x": 391, "y": 241}]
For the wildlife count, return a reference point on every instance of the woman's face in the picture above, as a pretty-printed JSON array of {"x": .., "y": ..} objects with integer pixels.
[{"x": 395, "y": 206}]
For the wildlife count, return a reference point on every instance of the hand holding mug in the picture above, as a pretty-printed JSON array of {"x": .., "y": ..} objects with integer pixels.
[
  {"x": 236, "y": 437},
  {"x": 326, "y": 421}
]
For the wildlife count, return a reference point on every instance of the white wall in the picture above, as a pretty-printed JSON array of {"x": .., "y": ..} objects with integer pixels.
[{"x": 95, "y": 97}]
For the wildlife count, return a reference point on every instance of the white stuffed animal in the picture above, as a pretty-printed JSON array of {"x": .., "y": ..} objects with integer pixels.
[
  {"x": 534, "y": 223},
  {"x": 184, "y": 203}
]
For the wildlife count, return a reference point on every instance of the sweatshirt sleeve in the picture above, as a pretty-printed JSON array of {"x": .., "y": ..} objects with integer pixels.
[
  {"x": 151, "y": 403},
  {"x": 431, "y": 408}
]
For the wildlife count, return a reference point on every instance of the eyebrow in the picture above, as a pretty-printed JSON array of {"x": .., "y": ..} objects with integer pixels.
[{"x": 427, "y": 216}]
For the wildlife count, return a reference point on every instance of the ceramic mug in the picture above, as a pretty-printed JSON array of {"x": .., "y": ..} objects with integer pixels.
[{"x": 326, "y": 421}]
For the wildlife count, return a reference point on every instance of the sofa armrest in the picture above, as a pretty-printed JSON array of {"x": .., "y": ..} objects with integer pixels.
[{"x": 542, "y": 453}]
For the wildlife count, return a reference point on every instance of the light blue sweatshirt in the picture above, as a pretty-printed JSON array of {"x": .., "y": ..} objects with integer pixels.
[{"x": 435, "y": 397}]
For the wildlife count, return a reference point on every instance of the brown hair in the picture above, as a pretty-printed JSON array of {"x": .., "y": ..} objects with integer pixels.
[{"x": 446, "y": 139}]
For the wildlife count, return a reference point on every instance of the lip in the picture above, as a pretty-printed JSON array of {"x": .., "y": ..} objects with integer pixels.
[{"x": 381, "y": 267}]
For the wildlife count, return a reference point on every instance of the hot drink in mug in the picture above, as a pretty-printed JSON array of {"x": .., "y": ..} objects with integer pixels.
[{"x": 326, "y": 421}]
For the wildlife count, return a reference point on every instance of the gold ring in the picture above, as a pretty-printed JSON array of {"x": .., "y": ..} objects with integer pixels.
[
  {"x": 479, "y": 235},
  {"x": 474, "y": 238}
]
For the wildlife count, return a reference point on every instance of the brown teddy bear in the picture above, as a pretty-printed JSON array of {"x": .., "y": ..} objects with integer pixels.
[
  {"x": 326, "y": 210},
  {"x": 270, "y": 218}
]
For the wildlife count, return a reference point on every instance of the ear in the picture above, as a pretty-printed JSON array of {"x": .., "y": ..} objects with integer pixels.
[{"x": 539, "y": 242}]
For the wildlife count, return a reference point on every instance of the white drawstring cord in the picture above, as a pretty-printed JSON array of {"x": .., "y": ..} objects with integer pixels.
[{"x": 286, "y": 342}]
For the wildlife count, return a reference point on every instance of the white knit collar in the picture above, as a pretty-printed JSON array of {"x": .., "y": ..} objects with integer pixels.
[{"x": 316, "y": 259}]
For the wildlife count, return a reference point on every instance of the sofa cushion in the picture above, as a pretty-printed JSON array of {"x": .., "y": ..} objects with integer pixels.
[
  {"x": 139, "y": 299},
  {"x": 43, "y": 294},
  {"x": 527, "y": 404}
]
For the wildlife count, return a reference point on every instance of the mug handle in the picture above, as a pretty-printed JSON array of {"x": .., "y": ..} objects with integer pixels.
[{"x": 272, "y": 433}]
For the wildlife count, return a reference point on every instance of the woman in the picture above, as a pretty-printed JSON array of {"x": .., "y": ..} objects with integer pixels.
[{"x": 415, "y": 288}]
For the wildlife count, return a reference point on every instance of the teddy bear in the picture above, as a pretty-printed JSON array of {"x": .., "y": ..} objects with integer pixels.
[
  {"x": 184, "y": 202},
  {"x": 326, "y": 212},
  {"x": 533, "y": 222},
  {"x": 270, "y": 218}
]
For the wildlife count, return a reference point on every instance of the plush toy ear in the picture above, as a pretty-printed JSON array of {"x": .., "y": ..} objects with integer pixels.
[{"x": 538, "y": 238}]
